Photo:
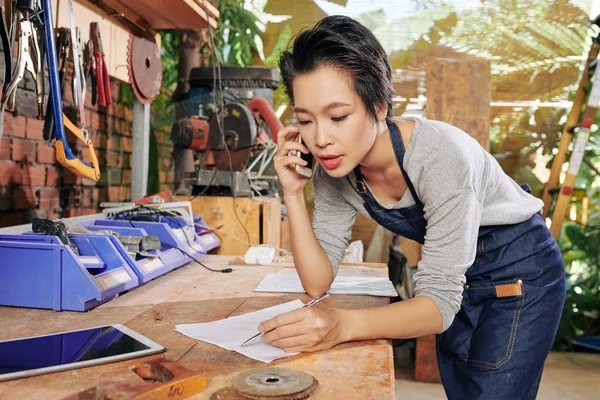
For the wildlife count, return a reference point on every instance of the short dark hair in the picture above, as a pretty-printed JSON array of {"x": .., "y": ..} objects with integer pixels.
[{"x": 341, "y": 42}]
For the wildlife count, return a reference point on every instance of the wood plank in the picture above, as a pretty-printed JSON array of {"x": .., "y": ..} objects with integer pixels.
[
  {"x": 232, "y": 231},
  {"x": 271, "y": 221}
]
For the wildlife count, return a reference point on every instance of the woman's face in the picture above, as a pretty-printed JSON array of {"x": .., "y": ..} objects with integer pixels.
[{"x": 333, "y": 121}]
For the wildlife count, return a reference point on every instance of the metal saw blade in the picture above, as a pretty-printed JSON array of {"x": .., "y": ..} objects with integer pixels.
[{"x": 145, "y": 68}]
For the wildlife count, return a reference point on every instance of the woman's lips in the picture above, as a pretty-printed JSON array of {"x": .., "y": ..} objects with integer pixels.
[{"x": 331, "y": 161}]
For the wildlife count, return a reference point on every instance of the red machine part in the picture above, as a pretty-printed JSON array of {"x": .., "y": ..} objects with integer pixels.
[
  {"x": 199, "y": 142},
  {"x": 264, "y": 109}
]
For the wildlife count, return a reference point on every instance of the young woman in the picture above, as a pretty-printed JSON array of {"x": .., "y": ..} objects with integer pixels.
[{"x": 491, "y": 281}]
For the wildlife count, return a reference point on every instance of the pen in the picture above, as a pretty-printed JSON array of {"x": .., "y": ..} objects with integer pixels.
[{"x": 309, "y": 304}]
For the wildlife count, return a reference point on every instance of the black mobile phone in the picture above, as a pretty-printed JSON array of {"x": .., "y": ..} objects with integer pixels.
[{"x": 305, "y": 171}]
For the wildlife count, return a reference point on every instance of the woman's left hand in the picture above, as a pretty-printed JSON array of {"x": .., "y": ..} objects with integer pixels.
[{"x": 305, "y": 330}]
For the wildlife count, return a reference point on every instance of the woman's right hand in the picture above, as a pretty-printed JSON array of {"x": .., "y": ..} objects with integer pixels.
[{"x": 285, "y": 161}]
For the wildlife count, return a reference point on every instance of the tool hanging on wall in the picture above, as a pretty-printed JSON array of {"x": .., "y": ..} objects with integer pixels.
[
  {"x": 63, "y": 38},
  {"x": 64, "y": 155},
  {"x": 578, "y": 152},
  {"x": 89, "y": 72},
  {"x": 102, "y": 78},
  {"x": 145, "y": 68},
  {"x": 7, "y": 36},
  {"x": 78, "y": 85},
  {"x": 566, "y": 137},
  {"x": 30, "y": 54}
]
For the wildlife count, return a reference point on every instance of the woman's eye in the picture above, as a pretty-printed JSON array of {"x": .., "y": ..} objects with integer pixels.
[
  {"x": 338, "y": 119},
  {"x": 303, "y": 122}
]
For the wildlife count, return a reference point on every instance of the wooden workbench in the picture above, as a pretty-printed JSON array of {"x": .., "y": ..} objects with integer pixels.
[{"x": 358, "y": 370}]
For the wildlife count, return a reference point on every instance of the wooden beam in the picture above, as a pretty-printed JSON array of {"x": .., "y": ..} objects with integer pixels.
[{"x": 141, "y": 16}]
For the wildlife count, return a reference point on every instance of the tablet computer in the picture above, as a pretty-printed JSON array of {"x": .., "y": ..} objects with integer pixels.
[{"x": 62, "y": 351}]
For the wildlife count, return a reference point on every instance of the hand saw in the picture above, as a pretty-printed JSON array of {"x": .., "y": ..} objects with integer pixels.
[{"x": 64, "y": 155}]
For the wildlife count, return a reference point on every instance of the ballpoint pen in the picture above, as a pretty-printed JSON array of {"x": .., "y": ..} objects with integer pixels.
[{"x": 309, "y": 304}]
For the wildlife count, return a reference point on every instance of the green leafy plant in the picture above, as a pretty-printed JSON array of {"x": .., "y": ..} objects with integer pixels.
[{"x": 237, "y": 34}]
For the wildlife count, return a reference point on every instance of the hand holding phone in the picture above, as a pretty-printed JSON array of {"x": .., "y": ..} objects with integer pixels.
[
  {"x": 305, "y": 171},
  {"x": 292, "y": 166}
]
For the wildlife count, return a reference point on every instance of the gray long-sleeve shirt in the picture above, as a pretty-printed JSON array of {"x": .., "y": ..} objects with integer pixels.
[{"x": 461, "y": 186}]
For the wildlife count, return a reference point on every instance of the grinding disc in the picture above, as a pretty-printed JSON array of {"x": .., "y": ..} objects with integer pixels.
[
  {"x": 274, "y": 383},
  {"x": 145, "y": 68}
]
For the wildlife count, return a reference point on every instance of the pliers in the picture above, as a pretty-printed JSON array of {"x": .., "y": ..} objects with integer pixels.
[
  {"x": 102, "y": 78},
  {"x": 88, "y": 69},
  {"x": 29, "y": 58}
]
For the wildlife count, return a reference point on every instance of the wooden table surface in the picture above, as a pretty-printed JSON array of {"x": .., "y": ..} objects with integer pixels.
[{"x": 358, "y": 370}]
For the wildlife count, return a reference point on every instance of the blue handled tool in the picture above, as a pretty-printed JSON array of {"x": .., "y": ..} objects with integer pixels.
[{"x": 64, "y": 155}]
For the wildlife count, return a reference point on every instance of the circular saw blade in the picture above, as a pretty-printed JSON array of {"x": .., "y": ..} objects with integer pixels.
[
  {"x": 274, "y": 383},
  {"x": 145, "y": 68}
]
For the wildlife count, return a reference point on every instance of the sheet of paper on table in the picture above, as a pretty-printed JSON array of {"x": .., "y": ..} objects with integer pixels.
[
  {"x": 288, "y": 281},
  {"x": 230, "y": 333}
]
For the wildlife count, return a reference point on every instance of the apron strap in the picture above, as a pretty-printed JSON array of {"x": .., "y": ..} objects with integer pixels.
[{"x": 399, "y": 150}]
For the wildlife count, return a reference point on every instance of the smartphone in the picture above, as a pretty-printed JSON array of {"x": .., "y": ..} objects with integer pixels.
[{"x": 301, "y": 170}]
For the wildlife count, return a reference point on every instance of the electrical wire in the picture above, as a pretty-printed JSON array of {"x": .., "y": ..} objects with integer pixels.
[
  {"x": 220, "y": 117},
  {"x": 130, "y": 215}
]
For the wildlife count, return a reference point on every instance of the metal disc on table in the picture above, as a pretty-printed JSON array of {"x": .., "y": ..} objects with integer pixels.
[
  {"x": 145, "y": 68},
  {"x": 274, "y": 383}
]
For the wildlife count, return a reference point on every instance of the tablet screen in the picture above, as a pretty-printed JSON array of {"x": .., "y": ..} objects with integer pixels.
[{"x": 65, "y": 348}]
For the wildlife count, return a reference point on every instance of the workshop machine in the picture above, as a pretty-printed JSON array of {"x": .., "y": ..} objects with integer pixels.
[{"x": 235, "y": 143}]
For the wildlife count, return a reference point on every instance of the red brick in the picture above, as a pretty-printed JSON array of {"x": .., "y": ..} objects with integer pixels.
[
  {"x": 102, "y": 195},
  {"x": 125, "y": 193},
  {"x": 166, "y": 163},
  {"x": 24, "y": 198},
  {"x": 15, "y": 126},
  {"x": 71, "y": 197},
  {"x": 53, "y": 176},
  {"x": 23, "y": 150},
  {"x": 113, "y": 193},
  {"x": 162, "y": 176},
  {"x": 34, "y": 175},
  {"x": 72, "y": 212},
  {"x": 87, "y": 197},
  {"x": 112, "y": 159},
  {"x": 126, "y": 177},
  {"x": 94, "y": 122},
  {"x": 35, "y": 128},
  {"x": 114, "y": 143},
  {"x": 46, "y": 154},
  {"x": 127, "y": 145},
  {"x": 5, "y": 149},
  {"x": 88, "y": 182},
  {"x": 128, "y": 114},
  {"x": 69, "y": 178},
  {"x": 95, "y": 195},
  {"x": 89, "y": 211},
  {"x": 10, "y": 174},
  {"x": 11, "y": 219}
]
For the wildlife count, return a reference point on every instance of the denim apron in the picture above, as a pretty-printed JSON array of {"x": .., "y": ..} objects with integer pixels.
[{"x": 497, "y": 344}]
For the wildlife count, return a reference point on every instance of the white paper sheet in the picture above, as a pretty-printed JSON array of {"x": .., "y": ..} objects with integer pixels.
[
  {"x": 288, "y": 281},
  {"x": 230, "y": 333}
]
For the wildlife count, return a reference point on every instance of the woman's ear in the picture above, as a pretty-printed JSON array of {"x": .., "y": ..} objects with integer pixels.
[{"x": 382, "y": 111}]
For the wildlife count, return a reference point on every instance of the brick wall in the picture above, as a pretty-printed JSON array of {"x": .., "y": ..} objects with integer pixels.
[{"x": 33, "y": 184}]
